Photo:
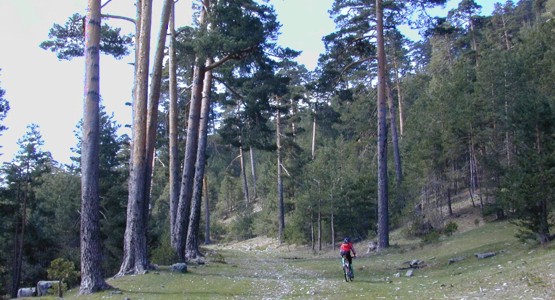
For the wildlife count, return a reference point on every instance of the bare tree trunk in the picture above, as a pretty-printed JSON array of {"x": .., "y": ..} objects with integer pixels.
[
  {"x": 449, "y": 202},
  {"x": 332, "y": 224},
  {"x": 253, "y": 172},
  {"x": 18, "y": 240},
  {"x": 383, "y": 202},
  {"x": 281, "y": 206},
  {"x": 319, "y": 225},
  {"x": 185, "y": 195},
  {"x": 191, "y": 248},
  {"x": 153, "y": 102},
  {"x": 314, "y": 137},
  {"x": 207, "y": 240},
  {"x": 474, "y": 173},
  {"x": 191, "y": 148},
  {"x": 135, "y": 259},
  {"x": 394, "y": 138},
  {"x": 92, "y": 279},
  {"x": 399, "y": 98},
  {"x": 244, "y": 175},
  {"x": 312, "y": 238},
  {"x": 173, "y": 151}
]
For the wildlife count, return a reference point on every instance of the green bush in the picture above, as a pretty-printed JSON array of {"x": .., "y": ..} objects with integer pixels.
[
  {"x": 418, "y": 228},
  {"x": 242, "y": 227},
  {"x": 64, "y": 270},
  {"x": 450, "y": 228},
  {"x": 164, "y": 254},
  {"x": 217, "y": 231},
  {"x": 431, "y": 237}
]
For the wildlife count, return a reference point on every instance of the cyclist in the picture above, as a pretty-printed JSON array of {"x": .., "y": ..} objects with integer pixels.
[{"x": 345, "y": 250}]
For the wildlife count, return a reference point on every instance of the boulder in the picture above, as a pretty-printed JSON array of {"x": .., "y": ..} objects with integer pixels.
[{"x": 179, "y": 268}]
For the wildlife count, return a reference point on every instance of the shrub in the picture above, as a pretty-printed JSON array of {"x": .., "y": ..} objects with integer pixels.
[
  {"x": 61, "y": 269},
  {"x": 164, "y": 254},
  {"x": 241, "y": 228},
  {"x": 450, "y": 228},
  {"x": 431, "y": 237},
  {"x": 418, "y": 228}
]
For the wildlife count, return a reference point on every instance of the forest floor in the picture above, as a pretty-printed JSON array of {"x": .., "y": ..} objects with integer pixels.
[{"x": 260, "y": 268}]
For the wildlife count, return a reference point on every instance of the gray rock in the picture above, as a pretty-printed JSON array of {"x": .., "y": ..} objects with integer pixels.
[{"x": 179, "y": 268}]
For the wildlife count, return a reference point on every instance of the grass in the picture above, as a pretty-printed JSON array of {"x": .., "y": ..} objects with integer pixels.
[{"x": 517, "y": 271}]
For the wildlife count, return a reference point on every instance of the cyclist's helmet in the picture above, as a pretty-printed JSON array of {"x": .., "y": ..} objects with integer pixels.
[{"x": 347, "y": 240}]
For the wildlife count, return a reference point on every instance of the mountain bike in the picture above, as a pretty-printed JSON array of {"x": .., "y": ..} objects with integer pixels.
[{"x": 347, "y": 269}]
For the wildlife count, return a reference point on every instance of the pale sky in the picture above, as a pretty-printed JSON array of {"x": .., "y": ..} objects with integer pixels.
[{"x": 43, "y": 90}]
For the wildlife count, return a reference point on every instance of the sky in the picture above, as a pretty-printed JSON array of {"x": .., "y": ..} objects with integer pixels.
[{"x": 48, "y": 92}]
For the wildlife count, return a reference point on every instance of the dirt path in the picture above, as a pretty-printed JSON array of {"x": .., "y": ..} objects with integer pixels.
[{"x": 279, "y": 274}]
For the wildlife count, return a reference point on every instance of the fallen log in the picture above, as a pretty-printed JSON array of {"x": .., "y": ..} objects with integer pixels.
[
  {"x": 456, "y": 259},
  {"x": 485, "y": 255}
]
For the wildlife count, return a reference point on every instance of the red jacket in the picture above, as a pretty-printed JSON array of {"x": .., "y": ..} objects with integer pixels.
[{"x": 347, "y": 248}]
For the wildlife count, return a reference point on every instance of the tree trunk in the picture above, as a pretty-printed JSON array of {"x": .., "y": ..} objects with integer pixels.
[
  {"x": 185, "y": 195},
  {"x": 92, "y": 279},
  {"x": 314, "y": 137},
  {"x": 153, "y": 101},
  {"x": 173, "y": 120},
  {"x": 312, "y": 239},
  {"x": 449, "y": 202},
  {"x": 400, "y": 101},
  {"x": 319, "y": 225},
  {"x": 253, "y": 172},
  {"x": 192, "y": 233},
  {"x": 281, "y": 206},
  {"x": 394, "y": 139},
  {"x": 332, "y": 224},
  {"x": 207, "y": 240},
  {"x": 135, "y": 259},
  {"x": 191, "y": 147},
  {"x": 383, "y": 208},
  {"x": 244, "y": 175},
  {"x": 18, "y": 240}
]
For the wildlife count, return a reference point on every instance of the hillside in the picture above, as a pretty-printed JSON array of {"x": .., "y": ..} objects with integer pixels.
[{"x": 261, "y": 269}]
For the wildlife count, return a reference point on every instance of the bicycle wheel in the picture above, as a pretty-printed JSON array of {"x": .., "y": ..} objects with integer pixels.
[{"x": 347, "y": 272}]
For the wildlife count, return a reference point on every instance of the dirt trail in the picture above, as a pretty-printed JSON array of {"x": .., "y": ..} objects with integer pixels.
[{"x": 277, "y": 272}]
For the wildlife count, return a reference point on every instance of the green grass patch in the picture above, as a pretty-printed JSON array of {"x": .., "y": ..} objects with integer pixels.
[{"x": 516, "y": 271}]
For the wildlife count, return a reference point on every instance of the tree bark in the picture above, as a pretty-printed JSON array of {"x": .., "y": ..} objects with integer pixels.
[
  {"x": 253, "y": 171},
  {"x": 332, "y": 223},
  {"x": 281, "y": 206},
  {"x": 207, "y": 240},
  {"x": 153, "y": 102},
  {"x": 394, "y": 138},
  {"x": 19, "y": 238},
  {"x": 244, "y": 175},
  {"x": 185, "y": 195},
  {"x": 192, "y": 249},
  {"x": 173, "y": 151},
  {"x": 319, "y": 224},
  {"x": 313, "y": 148},
  {"x": 135, "y": 260},
  {"x": 92, "y": 279},
  {"x": 383, "y": 202},
  {"x": 400, "y": 102},
  {"x": 191, "y": 148}
]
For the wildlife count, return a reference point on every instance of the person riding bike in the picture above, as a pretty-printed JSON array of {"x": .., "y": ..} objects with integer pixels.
[{"x": 345, "y": 251}]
